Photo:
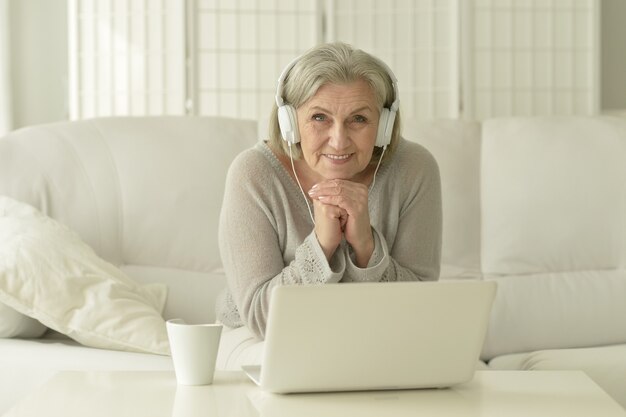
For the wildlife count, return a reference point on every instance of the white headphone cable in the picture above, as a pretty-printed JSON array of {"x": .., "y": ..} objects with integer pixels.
[
  {"x": 377, "y": 166},
  {"x": 306, "y": 200}
]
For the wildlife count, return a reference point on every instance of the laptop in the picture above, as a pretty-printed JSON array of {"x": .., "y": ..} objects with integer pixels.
[{"x": 373, "y": 336}]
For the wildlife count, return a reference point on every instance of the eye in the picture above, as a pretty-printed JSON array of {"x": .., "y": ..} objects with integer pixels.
[
  {"x": 360, "y": 119},
  {"x": 318, "y": 117}
]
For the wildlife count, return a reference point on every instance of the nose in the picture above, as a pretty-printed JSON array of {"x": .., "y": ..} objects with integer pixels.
[{"x": 338, "y": 137}]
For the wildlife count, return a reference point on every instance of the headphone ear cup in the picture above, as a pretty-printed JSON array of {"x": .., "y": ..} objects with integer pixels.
[
  {"x": 385, "y": 127},
  {"x": 288, "y": 122}
]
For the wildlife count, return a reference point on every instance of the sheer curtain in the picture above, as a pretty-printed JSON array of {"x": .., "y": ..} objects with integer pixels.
[
  {"x": 5, "y": 67},
  {"x": 127, "y": 57},
  {"x": 453, "y": 58}
]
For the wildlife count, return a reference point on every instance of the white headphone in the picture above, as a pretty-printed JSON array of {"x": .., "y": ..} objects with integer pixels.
[{"x": 288, "y": 120}]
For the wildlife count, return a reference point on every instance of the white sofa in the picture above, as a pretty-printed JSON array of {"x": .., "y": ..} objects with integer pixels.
[{"x": 538, "y": 204}]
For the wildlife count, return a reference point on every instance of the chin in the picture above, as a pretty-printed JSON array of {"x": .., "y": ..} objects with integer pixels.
[
  {"x": 336, "y": 175},
  {"x": 341, "y": 172}
]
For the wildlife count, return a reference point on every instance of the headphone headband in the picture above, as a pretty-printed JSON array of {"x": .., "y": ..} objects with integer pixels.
[{"x": 280, "y": 101}]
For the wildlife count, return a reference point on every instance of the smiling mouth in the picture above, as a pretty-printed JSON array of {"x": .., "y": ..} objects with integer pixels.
[{"x": 337, "y": 157}]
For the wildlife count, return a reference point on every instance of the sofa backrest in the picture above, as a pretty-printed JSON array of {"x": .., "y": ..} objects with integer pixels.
[
  {"x": 143, "y": 192},
  {"x": 538, "y": 204},
  {"x": 553, "y": 194}
]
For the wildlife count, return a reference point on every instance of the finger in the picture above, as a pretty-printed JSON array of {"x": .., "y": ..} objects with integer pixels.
[
  {"x": 334, "y": 200},
  {"x": 337, "y": 187},
  {"x": 351, "y": 206},
  {"x": 351, "y": 199},
  {"x": 343, "y": 220},
  {"x": 328, "y": 228},
  {"x": 331, "y": 211}
]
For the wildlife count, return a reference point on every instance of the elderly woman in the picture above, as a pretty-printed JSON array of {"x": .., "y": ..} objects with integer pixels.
[{"x": 334, "y": 195}]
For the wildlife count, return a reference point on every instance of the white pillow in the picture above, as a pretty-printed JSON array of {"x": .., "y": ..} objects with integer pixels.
[
  {"x": 14, "y": 324},
  {"x": 49, "y": 274}
]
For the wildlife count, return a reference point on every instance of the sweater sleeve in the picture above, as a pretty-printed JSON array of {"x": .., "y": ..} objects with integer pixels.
[
  {"x": 415, "y": 253},
  {"x": 252, "y": 222}
]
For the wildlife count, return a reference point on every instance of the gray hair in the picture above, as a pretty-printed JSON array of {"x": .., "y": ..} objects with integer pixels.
[{"x": 334, "y": 63}]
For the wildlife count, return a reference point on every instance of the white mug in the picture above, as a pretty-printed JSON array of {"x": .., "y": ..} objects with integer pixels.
[{"x": 194, "y": 351}]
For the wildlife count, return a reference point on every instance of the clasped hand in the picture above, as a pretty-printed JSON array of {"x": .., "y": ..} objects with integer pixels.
[{"x": 341, "y": 210}]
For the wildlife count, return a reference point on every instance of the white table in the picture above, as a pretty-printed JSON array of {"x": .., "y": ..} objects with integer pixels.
[{"x": 490, "y": 393}]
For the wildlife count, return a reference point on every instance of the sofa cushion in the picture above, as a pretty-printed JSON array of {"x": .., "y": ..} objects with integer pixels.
[
  {"x": 48, "y": 273},
  {"x": 553, "y": 194},
  {"x": 556, "y": 310},
  {"x": 455, "y": 144},
  {"x": 65, "y": 354}
]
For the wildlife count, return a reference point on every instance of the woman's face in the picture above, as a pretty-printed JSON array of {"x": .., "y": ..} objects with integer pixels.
[{"x": 338, "y": 127}]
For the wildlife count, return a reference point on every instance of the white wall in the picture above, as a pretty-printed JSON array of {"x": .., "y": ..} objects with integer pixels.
[
  {"x": 6, "y": 116},
  {"x": 39, "y": 68},
  {"x": 613, "y": 55},
  {"x": 39, "y": 58}
]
